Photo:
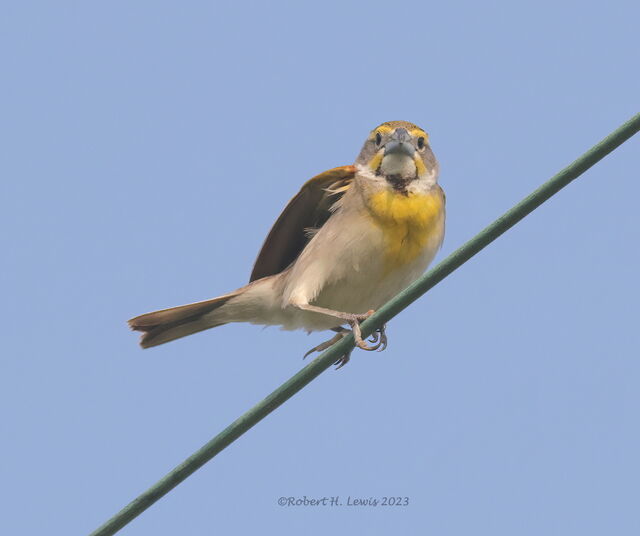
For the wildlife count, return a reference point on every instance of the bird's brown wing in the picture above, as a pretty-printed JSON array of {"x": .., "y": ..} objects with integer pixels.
[{"x": 309, "y": 209}]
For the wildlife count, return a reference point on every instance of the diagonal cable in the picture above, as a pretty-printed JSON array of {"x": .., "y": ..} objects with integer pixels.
[{"x": 383, "y": 315}]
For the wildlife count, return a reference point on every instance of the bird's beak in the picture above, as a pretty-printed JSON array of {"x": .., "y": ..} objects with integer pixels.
[{"x": 400, "y": 143}]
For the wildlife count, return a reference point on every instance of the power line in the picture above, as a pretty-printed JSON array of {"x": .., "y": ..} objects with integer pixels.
[{"x": 383, "y": 315}]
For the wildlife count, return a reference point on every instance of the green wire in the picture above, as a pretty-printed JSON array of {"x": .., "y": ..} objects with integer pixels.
[{"x": 383, "y": 315}]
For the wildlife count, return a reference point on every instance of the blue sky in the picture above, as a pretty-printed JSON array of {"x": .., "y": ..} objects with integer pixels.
[{"x": 148, "y": 147}]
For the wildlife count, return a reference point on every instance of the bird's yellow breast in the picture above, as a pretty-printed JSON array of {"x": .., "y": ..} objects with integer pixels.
[{"x": 409, "y": 223}]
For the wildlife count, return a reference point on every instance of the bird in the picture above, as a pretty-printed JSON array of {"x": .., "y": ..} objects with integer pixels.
[{"x": 351, "y": 239}]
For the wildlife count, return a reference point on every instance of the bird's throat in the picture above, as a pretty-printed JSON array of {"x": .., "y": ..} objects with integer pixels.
[{"x": 400, "y": 182}]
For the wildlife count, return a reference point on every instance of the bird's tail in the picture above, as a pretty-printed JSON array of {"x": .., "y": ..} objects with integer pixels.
[
  {"x": 170, "y": 324},
  {"x": 258, "y": 302}
]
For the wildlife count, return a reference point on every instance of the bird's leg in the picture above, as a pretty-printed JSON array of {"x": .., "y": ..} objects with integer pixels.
[
  {"x": 350, "y": 318},
  {"x": 341, "y": 333}
]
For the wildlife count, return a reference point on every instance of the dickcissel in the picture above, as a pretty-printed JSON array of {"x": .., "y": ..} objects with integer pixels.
[{"x": 352, "y": 238}]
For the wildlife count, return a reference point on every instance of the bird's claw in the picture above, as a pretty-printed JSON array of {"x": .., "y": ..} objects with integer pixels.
[
  {"x": 379, "y": 339},
  {"x": 344, "y": 359}
]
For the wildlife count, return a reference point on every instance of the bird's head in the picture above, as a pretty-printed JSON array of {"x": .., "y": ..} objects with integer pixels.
[{"x": 399, "y": 152}]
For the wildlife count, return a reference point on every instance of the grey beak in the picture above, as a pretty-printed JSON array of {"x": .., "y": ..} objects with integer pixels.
[
  {"x": 399, "y": 147},
  {"x": 400, "y": 143}
]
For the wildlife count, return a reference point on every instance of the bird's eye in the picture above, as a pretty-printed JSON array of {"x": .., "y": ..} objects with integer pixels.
[
  {"x": 378, "y": 138},
  {"x": 420, "y": 143}
]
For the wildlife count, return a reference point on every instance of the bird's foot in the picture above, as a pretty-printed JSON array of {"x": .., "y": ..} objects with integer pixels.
[
  {"x": 352, "y": 319},
  {"x": 379, "y": 337},
  {"x": 343, "y": 360},
  {"x": 327, "y": 344}
]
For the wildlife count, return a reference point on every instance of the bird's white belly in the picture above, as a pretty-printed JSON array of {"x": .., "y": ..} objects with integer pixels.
[{"x": 352, "y": 279}]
